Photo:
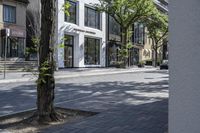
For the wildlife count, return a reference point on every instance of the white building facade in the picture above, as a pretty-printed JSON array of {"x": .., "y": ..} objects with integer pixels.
[{"x": 81, "y": 37}]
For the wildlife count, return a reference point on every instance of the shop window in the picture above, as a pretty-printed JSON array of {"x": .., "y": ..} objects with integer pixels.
[{"x": 92, "y": 51}]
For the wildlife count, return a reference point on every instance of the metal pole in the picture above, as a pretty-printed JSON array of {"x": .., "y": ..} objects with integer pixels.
[{"x": 5, "y": 54}]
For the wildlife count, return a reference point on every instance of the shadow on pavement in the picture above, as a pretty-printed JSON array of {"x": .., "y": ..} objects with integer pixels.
[
  {"x": 96, "y": 96},
  {"x": 125, "y": 107}
]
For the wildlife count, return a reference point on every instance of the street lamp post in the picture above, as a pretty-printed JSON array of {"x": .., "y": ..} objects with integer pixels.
[
  {"x": 5, "y": 54},
  {"x": 7, "y": 34}
]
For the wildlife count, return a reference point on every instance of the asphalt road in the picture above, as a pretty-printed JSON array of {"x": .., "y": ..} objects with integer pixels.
[
  {"x": 126, "y": 103},
  {"x": 133, "y": 88}
]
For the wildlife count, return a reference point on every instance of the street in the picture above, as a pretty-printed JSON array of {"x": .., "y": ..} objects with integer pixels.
[{"x": 138, "y": 98}]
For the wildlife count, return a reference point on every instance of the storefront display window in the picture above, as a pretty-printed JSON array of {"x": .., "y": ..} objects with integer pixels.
[{"x": 92, "y": 51}]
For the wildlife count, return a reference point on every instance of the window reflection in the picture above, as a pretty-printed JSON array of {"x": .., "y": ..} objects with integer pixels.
[
  {"x": 92, "y": 18},
  {"x": 72, "y": 13},
  {"x": 92, "y": 51}
]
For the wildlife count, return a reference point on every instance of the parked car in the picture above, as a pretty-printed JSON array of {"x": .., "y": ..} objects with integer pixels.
[{"x": 164, "y": 65}]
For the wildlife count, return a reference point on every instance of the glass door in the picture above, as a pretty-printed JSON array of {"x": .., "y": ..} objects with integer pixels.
[
  {"x": 68, "y": 51},
  {"x": 68, "y": 60}
]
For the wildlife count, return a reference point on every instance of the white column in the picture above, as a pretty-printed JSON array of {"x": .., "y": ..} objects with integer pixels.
[
  {"x": 60, "y": 34},
  {"x": 184, "y": 63},
  {"x": 103, "y": 46}
]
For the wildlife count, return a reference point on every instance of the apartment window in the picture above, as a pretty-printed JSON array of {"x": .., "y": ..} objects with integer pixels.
[
  {"x": 92, "y": 51},
  {"x": 139, "y": 33},
  {"x": 72, "y": 13},
  {"x": 9, "y": 14},
  {"x": 92, "y": 18}
]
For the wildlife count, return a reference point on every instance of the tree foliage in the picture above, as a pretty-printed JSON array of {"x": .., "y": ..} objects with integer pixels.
[
  {"x": 157, "y": 25},
  {"x": 126, "y": 12}
]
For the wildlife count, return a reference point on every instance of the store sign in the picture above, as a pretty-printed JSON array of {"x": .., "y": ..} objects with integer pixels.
[
  {"x": 86, "y": 31},
  {"x": 13, "y": 32},
  {"x": 17, "y": 33}
]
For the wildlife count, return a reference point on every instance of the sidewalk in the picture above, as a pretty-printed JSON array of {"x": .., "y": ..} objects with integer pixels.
[{"x": 12, "y": 77}]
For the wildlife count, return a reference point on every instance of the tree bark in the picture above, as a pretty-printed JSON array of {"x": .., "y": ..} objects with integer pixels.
[
  {"x": 156, "y": 56},
  {"x": 46, "y": 81},
  {"x": 124, "y": 36},
  {"x": 124, "y": 43}
]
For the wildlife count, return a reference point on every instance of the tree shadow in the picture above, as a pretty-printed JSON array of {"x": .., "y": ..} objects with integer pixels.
[
  {"x": 144, "y": 118},
  {"x": 96, "y": 95},
  {"x": 136, "y": 103}
]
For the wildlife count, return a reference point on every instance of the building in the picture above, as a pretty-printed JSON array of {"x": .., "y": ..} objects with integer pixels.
[
  {"x": 162, "y": 6},
  {"x": 13, "y": 28},
  {"x": 83, "y": 35},
  {"x": 113, "y": 41},
  {"x": 88, "y": 38},
  {"x": 142, "y": 45},
  {"x": 33, "y": 28}
]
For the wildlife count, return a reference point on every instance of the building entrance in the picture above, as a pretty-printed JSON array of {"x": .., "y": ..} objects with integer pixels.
[
  {"x": 14, "y": 48},
  {"x": 69, "y": 51}
]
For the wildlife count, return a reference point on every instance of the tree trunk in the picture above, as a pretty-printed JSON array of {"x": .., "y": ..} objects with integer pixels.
[
  {"x": 155, "y": 48},
  {"x": 46, "y": 81},
  {"x": 124, "y": 43},
  {"x": 156, "y": 57},
  {"x": 124, "y": 36}
]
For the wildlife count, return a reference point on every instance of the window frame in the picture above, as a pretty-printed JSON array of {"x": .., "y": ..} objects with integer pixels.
[
  {"x": 86, "y": 22},
  {"x": 15, "y": 15},
  {"x": 65, "y": 16}
]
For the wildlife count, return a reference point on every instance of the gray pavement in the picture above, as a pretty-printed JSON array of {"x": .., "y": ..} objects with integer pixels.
[
  {"x": 127, "y": 103},
  {"x": 12, "y": 77}
]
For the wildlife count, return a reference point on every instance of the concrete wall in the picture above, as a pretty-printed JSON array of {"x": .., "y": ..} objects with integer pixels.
[
  {"x": 184, "y": 62},
  {"x": 68, "y": 28}
]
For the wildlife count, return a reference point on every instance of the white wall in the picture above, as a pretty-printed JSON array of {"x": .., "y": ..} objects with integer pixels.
[
  {"x": 68, "y": 28},
  {"x": 184, "y": 62}
]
